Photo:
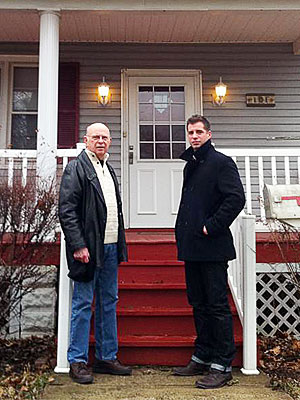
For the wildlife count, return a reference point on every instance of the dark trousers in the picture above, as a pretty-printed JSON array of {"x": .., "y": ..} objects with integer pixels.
[{"x": 207, "y": 294}]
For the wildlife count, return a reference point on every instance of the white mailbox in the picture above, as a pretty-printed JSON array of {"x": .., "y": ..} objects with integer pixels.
[{"x": 283, "y": 202}]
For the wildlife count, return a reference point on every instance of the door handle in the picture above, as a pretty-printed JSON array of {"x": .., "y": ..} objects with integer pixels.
[{"x": 130, "y": 157}]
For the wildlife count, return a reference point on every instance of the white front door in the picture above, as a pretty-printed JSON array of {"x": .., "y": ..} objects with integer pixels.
[{"x": 158, "y": 107}]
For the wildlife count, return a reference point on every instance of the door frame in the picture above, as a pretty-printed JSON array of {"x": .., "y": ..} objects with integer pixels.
[{"x": 152, "y": 73}]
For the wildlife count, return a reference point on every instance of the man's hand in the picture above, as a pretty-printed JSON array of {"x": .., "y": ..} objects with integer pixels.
[
  {"x": 205, "y": 230},
  {"x": 82, "y": 255}
]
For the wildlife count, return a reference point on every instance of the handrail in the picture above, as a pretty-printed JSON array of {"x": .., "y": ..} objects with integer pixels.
[{"x": 242, "y": 283}]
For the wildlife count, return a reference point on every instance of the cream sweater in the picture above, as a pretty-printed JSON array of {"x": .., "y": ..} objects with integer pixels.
[{"x": 109, "y": 193}]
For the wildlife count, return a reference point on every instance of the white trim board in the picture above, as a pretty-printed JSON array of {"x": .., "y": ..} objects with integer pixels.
[
  {"x": 143, "y": 5},
  {"x": 271, "y": 268}
]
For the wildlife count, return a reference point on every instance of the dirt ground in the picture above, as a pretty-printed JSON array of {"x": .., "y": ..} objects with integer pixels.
[{"x": 159, "y": 384}]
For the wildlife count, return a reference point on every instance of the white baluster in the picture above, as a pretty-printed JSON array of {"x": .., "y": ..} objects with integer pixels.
[
  {"x": 24, "y": 171},
  {"x": 261, "y": 187},
  {"x": 274, "y": 170},
  {"x": 248, "y": 184},
  {"x": 10, "y": 171},
  {"x": 287, "y": 170}
]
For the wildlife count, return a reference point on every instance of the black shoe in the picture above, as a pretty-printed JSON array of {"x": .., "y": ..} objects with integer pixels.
[
  {"x": 113, "y": 367},
  {"x": 79, "y": 373},
  {"x": 215, "y": 379},
  {"x": 193, "y": 368}
]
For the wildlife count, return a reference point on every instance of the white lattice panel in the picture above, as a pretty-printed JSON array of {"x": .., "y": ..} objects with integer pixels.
[{"x": 278, "y": 304}]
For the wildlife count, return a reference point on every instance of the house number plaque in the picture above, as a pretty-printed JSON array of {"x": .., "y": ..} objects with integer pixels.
[{"x": 260, "y": 100}]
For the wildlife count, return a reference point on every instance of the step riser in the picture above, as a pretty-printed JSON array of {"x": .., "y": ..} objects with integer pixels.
[
  {"x": 152, "y": 298},
  {"x": 163, "y": 356},
  {"x": 170, "y": 356},
  {"x": 162, "y": 326},
  {"x": 156, "y": 325},
  {"x": 149, "y": 252},
  {"x": 171, "y": 298},
  {"x": 265, "y": 252},
  {"x": 154, "y": 275}
]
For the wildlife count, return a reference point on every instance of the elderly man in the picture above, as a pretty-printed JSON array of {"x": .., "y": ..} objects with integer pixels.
[
  {"x": 212, "y": 197},
  {"x": 90, "y": 213}
]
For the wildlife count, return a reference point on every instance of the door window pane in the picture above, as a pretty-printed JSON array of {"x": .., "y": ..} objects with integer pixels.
[
  {"x": 177, "y": 149},
  {"x": 146, "y": 151},
  {"x": 161, "y": 94},
  {"x": 178, "y": 133},
  {"x": 162, "y": 150},
  {"x": 162, "y": 112},
  {"x": 146, "y": 133},
  {"x": 177, "y": 94},
  {"x": 145, "y": 113},
  {"x": 162, "y": 133},
  {"x": 178, "y": 112},
  {"x": 24, "y": 131},
  {"x": 145, "y": 94}
]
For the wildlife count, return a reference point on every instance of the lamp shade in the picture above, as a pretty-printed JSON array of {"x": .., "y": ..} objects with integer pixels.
[
  {"x": 221, "y": 89},
  {"x": 103, "y": 89}
]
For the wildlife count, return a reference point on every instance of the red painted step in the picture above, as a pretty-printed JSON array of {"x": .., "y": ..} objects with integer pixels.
[
  {"x": 155, "y": 295},
  {"x": 151, "y": 245},
  {"x": 160, "y": 350},
  {"x": 157, "y": 321},
  {"x": 154, "y": 271}
]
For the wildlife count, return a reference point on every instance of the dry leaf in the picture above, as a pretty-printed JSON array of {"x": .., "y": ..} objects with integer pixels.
[{"x": 276, "y": 350}]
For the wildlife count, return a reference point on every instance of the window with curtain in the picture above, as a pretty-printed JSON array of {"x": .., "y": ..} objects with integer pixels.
[{"x": 24, "y": 106}]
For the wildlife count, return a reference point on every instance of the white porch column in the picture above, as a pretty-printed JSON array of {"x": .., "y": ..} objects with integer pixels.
[{"x": 48, "y": 95}]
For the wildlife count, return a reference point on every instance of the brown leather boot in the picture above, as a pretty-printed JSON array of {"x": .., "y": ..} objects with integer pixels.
[
  {"x": 79, "y": 373},
  {"x": 112, "y": 367},
  {"x": 215, "y": 379},
  {"x": 193, "y": 368}
]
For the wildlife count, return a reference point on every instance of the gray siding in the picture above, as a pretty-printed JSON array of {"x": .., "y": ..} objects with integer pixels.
[{"x": 261, "y": 68}]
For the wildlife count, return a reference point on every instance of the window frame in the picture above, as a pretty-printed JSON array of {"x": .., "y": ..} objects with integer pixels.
[
  {"x": 12, "y": 66},
  {"x": 6, "y": 87}
]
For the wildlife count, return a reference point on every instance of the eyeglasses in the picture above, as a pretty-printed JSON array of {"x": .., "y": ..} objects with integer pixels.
[{"x": 96, "y": 138}]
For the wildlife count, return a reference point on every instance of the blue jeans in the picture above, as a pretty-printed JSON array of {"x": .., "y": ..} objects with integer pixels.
[
  {"x": 105, "y": 288},
  {"x": 207, "y": 294}
]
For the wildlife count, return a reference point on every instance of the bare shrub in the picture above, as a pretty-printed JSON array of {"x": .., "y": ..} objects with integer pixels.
[
  {"x": 28, "y": 217},
  {"x": 287, "y": 239}
]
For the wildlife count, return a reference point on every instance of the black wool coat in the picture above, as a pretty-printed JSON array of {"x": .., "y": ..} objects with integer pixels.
[
  {"x": 212, "y": 196},
  {"x": 83, "y": 214}
]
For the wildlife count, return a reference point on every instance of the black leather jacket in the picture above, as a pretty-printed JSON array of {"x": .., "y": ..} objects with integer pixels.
[{"x": 83, "y": 213}]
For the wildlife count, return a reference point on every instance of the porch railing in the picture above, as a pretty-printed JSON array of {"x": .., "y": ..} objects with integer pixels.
[
  {"x": 256, "y": 166},
  {"x": 265, "y": 165}
]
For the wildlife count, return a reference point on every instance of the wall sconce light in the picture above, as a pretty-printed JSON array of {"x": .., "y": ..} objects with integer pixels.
[
  {"x": 220, "y": 93},
  {"x": 104, "y": 94}
]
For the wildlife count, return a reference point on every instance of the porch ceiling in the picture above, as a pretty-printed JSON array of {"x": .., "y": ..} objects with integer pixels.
[{"x": 158, "y": 26}]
